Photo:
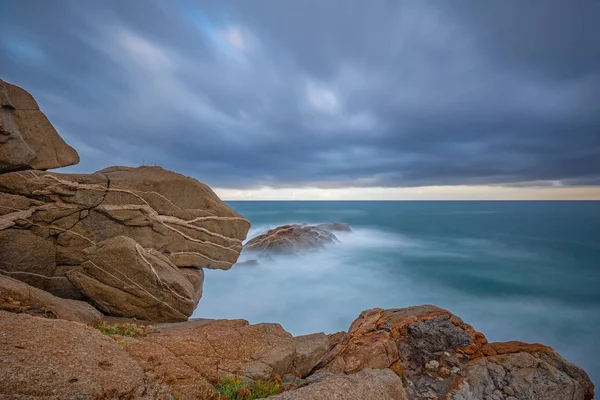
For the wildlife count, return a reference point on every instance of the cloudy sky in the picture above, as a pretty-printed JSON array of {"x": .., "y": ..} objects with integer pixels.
[{"x": 323, "y": 99}]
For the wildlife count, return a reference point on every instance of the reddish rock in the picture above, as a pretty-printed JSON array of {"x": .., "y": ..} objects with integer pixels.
[{"x": 291, "y": 239}]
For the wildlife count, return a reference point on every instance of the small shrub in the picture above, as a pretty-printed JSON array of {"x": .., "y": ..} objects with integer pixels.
[
  {"x": 234, "y": 388},
  {"x": 130, "y": 330}
]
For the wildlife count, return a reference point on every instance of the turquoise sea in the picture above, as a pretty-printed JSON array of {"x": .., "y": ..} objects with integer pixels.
[{"x": 526, "y": 270}]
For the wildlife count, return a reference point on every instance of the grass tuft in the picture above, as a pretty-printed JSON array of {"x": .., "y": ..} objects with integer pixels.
[
  {"x": 131, "y": 330},
  {"x": 234, "y": 388}
]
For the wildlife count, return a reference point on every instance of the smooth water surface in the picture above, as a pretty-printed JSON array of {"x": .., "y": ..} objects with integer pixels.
[{"x": 525, "y": 271}]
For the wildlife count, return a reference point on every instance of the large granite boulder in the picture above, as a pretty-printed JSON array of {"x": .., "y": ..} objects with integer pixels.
[
  {"x": 368, "y": 384},
  {"x": 19, "y": 297},
  {"x": 125, "y": 280},
  {"x": 440, "y": 356},
  {"x": 291, "y": 239},
  {"x": 27, "y": 139},
  {"x": 213, "y": 349},
  {"x": 52, "y": 227},
  {"x": 54, "y": 359}
]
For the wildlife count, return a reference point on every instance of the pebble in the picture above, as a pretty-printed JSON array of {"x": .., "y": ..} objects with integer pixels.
[
  {"x": 444, "y": 372},
  {"x": 508, "y": 390},
  {"x": 432, "y": 365},
  {"x": 455, "y": 370}
]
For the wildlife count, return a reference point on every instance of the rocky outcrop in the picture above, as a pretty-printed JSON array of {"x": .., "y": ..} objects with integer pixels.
[
  {"x": 291, "y": 239},
  {"x": 60, "y": 232},
  {"x": 19, "y": 297},
  {"x": 27, "y": 139},
  {"x": 206, "y": 350},
  {"x": 412, "y": 353},
  {"x": 50, "y": 223},
  {"x": 441, "y": 357},
  {"x": 367, "y": 384}
]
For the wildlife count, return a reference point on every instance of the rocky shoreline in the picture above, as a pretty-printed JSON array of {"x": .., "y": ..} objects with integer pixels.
[{"x": 100, "y": 272}]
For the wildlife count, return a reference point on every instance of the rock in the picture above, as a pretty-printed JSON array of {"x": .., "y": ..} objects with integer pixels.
[
  {"x": 38, "y": 302},
  {"x": 533, "y": 372},
  {"x": 54, "y": 359},
  {"x": 248, "y": 263},
  {"x": 291, "y": 239},
  {"x": 27, "y": 139},
  {"x": 125, "y": 280},
  {"x": 335, "y": 227},
  {"x": 432, "y": 365},
  {"x": 204, "y": 349},
  {"x": 54, "y": 218},
  {"x": 367, "y": 384},
  {"x": 508, "y": 390},
  {"x": 421, "y": 343}
]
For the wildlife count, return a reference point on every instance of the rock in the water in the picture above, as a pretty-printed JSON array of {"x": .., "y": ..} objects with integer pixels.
[
  {"x": 335, "y": 227},
  {"x": 55, "y": 217},
  {"x": 19, "y": 297},
  {"x": 247, "y": 263},
  {"x": 27, "y": 139},
  {"x": 291, "y": 239},
  {"x": 125, "y": 280},
  {"x": 368, "y": 384}
]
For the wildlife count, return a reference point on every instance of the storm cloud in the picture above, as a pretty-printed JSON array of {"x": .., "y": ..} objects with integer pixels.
[{"x": 318, "y": 93}]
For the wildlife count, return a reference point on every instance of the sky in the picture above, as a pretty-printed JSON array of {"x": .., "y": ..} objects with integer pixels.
[{"x": 323, "y": 99}]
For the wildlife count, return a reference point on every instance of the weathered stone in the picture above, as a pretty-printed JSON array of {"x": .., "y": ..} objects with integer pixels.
[
  {"x": 440, "y": 356},
  {"x": 27, "y": 257},
  {"x": 49, "y": 220},
  {"x": 17, "y": 296},
  {"x": 367, "y": 384},
  {"x": 215, "y": 349},
  {"x": 53, "y": 359},
  {"x": 27, "y": 139},
  {"x": 291, "y": 239},
  {"x": 123, "y": 279},
  {"x": 536, "y": 375}
]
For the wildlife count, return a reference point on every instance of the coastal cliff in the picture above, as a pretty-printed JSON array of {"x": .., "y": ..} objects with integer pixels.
[{"x": 100, "y": 272}]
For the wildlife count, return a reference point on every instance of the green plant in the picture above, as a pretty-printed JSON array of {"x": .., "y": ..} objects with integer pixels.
[
  {"x": 130, "y": 330},
  {"x": 234, "y": 388}
]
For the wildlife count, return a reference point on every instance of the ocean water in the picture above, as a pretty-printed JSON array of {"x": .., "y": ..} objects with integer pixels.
[{"x": 526, "y": 271}]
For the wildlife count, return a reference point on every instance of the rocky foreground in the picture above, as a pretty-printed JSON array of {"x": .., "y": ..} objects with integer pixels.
[
  {"x": 100, "y": 272},
  {"x": 421, "y": 352}
]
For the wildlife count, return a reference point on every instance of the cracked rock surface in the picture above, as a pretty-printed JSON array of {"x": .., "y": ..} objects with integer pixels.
[{"x": 61, "y": 232}]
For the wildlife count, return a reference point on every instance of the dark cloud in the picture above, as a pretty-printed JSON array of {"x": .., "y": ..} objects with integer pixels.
[{"x": 321, "y": 93}]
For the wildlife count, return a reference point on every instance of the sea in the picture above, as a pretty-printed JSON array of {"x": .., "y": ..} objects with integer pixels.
[{"x": 515, "y": 270}]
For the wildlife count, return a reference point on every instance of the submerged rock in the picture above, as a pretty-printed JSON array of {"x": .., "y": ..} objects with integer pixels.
[{"x": 291, "y": 239}]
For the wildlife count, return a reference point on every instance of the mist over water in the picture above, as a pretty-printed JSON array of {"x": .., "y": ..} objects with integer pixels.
[{"x": 526, "y": 271}]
